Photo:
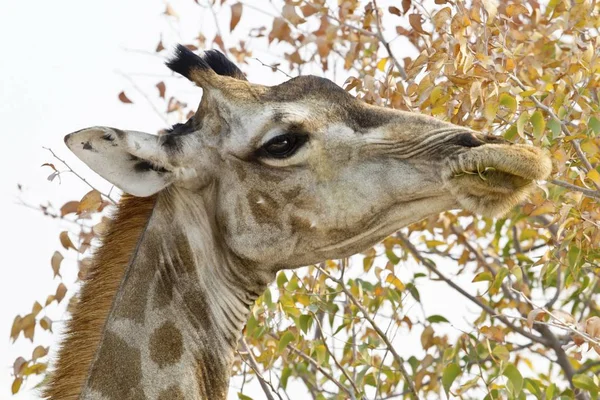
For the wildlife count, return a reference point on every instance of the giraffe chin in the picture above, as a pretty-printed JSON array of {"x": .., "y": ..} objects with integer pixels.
[{"x": 492, "y": 179}]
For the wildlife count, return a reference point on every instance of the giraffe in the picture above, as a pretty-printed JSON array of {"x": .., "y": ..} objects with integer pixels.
[{"x": 260, "y": 179}]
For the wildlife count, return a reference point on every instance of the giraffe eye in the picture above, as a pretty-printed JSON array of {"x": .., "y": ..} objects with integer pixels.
[{"x": 283, "y": 146}]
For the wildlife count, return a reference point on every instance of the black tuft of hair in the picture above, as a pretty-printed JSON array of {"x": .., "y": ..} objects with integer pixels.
[
  {"x": 184, "y": 61},
  {"x": 222, "y": 65}
]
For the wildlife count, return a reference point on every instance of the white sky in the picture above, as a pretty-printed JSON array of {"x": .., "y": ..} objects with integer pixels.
[{"x": 59, "y": 73}]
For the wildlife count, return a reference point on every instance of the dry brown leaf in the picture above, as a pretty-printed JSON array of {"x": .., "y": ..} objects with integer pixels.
[
  {"x": 219, "y": 41},
  {"x": 124, "y": 98},
  {"x": 161, "y": 89},
  {"x": 28, "y": 326},
  {"x": 170, "y": 11},
  {"x": 18, "y": 366},
  {"x": 535, "y": 315},
  {"x": 394, "y": 10},
  {"x": 35, "y": 310},
  {"x": 441, "y": 17},
  {"x": 236, "y": 15},
  {"x": 406, "y": 5},
  {"x": 55, "y": 262},
  {"x": 308, "y": 10},
  {"x": 415, "y": 23},
  {"x": 46, "y": 324},
  {"x": 16, "y": 328},
  {"x": 69, "y": 207},
  {"x": 39, "y": 352},
  {"x": 61, "y": 291},
  {"x": 592, "y": 326},
  {"x": 90, "y": 203},
  {"x": 493, "y": 333},
  {"x": 50, "y": 165},
  {"x": 65, "y": 240},
  {"x": 50, "y": 299},
  {"x": 289, "y": 12},
  {"x": 159, "y": 47}
]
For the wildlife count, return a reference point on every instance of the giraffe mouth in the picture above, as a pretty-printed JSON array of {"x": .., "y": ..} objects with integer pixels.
[{"x": 493, "y": 178}]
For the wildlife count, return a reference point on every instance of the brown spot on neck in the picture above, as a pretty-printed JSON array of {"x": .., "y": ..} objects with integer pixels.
[
  {"x": 166, "y": 345},
  {"x": 85, "y": 328}
]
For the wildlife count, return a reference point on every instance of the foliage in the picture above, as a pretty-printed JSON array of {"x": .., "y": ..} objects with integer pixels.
[{"x": 522, "y": 70}]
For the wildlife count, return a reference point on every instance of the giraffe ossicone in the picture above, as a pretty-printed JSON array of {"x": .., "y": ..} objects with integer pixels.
[{"x": 258, "y": 180}]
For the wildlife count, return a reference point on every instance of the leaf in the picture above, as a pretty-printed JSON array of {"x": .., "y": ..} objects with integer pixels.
[
  {"x": 286, "y": 339},
  {"x": 124, "y": 98},
  {"x": 508, "y": 101},
  {"x": 304, "y": 322},
  {"x": 159, "y": 47},
  {"x": 450, "y": 374},
  {"x": 583, "y": 381},
  {"x": 393, "y": 279},
  {"x": 483, "y": 276},
  {"x": 16, "y": 385},
  {"x": 91, "y": 202},
  {"x": 441, "y": 17},
  {"x": 50, "y": 165},
  {"x": 18, "y": 366},
  {"x": 65, "y": 240},
  {"x": 46, "y": 323},
  {"x": 437, "y": 319},
  {"x": 35, "y": 310},
  {"x": 170, "y": 12},
  {"x": 539, "y": 124},
  {"x": 394, "y": 10},
  {"x": 16, "y": 328},
  {"x": 535, "y": 315},
  {"x": 514, "y": 377},
  {"x": 564, "y": 316},
  {"x": 29, "y": 326},
  {"x": 242, "y": 396},
  {"x": 39, "y": 352},
  {"x": 592, "y": 327},
  {"x": 501, "y": 352},
  {"x": 516, "y": 9},
  {"x": 594, "y": 176},
  {"x": 55, "y": 262},
  {"x": 68, "y": 208},
  {"x": 415, "y": 23},
  {"x": 161, "y": 89},
  {"x": 236, "y": 15},
  {"x": 406, "y": 5},
  {"x": 594, "y": 124},
  {"x": 61, "y": 291},
  {"x": 491, "y": 7},
  {"x": 308, "y": 10}
]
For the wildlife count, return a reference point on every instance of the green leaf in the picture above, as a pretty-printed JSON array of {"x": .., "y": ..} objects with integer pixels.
[
  {"x": 501, "y": 352},
  {"x": 533, "y": 387},
  {"x": 449, "y": 375},
  {"x": 281, "y": 279},
  {"x": 585, "y": 382},
  {"x": 286, "y": 339},
  {"x": 539, "y": 124},
  {"x": 483, "y": 276},
  {"x": 285, "y": 375},
  {"x": 555, "y": 128},
  {"x": 594, "y": 124},
  {"x": 508, "y": 101},
  {"x": 304, "y": 321},
  {"x": 514, "y": 378},
  {"x": 437, "y": 319},
  {"x": 242, "y": 396}
]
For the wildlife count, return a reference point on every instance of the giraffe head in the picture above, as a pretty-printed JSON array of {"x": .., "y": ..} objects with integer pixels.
[{"x": 302, "y": 171}]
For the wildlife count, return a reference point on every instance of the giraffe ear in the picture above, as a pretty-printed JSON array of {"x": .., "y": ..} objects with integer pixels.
[{"x": 135, "y": 162}]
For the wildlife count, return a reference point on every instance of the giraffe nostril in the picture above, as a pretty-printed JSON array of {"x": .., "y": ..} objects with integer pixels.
[{"x": 468, "y": 140}]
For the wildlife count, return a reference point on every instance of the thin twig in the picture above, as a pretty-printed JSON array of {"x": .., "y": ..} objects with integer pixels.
[
  {"x": 273, "y": 67},
  {"x": 159, "y": 113},
  {"x": 399, "y": 360},
  {"x": 79, "y": 176},
  {"x": 252, "y": 363},
  {"x": 587, "y": 192},
  {"x": 429, "y": 265},
  {"x": 386, "y": 44}
]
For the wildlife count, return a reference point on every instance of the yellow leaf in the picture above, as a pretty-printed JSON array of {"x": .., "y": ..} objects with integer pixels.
[
  {"x": 61, "y": 290},
  {"x": 16, "y": 385},
  {"x": 516, "y": 9},
  {"x": 594, "y": 176},
  {"x": 39, "y": 352},
  {"x": 393, "y": 279},
  {"x": 55, "y": 262},
  {"x": 381, "y": 64}
]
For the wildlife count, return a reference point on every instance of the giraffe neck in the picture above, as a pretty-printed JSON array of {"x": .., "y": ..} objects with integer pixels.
[{"x": 179, "y": 312}]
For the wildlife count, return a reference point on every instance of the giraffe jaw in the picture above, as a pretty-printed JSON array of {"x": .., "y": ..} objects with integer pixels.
[{"x": 492, "y": 179}]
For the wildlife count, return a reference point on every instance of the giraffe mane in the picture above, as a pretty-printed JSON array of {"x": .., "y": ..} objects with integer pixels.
[{"x": 84, "y": 329}]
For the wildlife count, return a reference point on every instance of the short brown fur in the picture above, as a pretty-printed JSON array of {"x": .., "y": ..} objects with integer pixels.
[{"x": 85, "y": 328}]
